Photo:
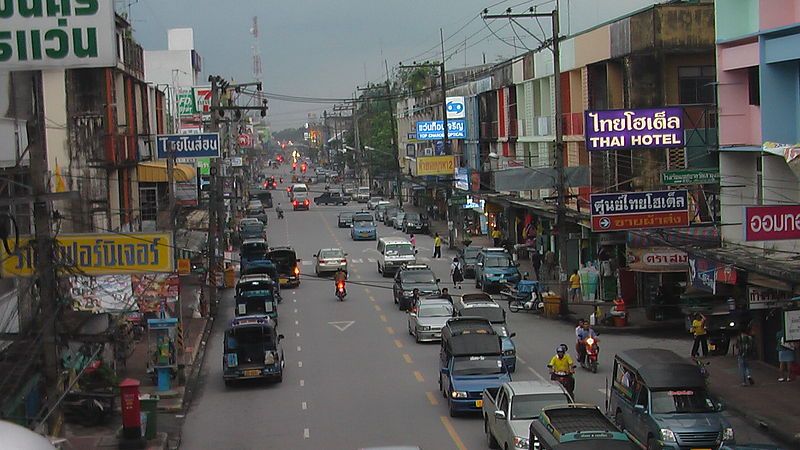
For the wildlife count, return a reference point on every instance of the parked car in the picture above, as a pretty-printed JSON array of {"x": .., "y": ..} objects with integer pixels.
[
  {"x": 431, "y": 314},
  {"x": 415, "y": 223},
  {"x": 494, "y": 268},
  {"x": 362, "y": 195},
  {"x": 467, "y": 256},
  {"x": 380, "y": 209},
  {"x": 330, "y": 198},
  {"x": 288, "y": 265},
  {"x": 330, "y": 260},
  {"x": 397, "y": 220},
  {"x": 345, "y": 219},
  {"x": 373, "y": 202},
  {"x": 389, "y": 214}
]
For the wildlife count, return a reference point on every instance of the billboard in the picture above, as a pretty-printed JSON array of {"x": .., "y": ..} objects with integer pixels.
[
  {"x": 657, "y": 259},
  {"x": 201, "y": 145},
  {"x": 99, "y": 254},
  {"x": 39, "y": 35},
  {"x": 187, "y": 106},
  {"x": 202, "y": 98},
  {"x": 638, "y": 210},
  {"x": 436, "y": 165},
  {"x": 618, "y": 129},
  {"x": 771, "y": 223},
  {"x": 432, "y": 130},
  {"x": 456, "y": 108}
]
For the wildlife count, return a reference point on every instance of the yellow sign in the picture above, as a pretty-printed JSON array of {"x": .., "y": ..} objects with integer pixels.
[
  {"x": 184, "y": 266},
  {"x": 436, "y": 165},
  {"x": 99, "y": 254}
]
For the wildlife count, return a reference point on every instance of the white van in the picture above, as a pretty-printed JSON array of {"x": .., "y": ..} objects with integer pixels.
[
  {"x": 300, "y": 191},
  {"x": 393, "y": 253}
]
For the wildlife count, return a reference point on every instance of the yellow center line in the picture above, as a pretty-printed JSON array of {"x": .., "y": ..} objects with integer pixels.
[
  {"x": 418, "y": 376},
  {"x": 383, "y": 318},
  {"x": 452, "y": 432},
  {"x": 377, "y": 307},
  {"x": 432, "y": 398},
  {"x": 398, "y": 343},
  {"x": 407, "y": 357},
  {"x": 390, "y": 330}
]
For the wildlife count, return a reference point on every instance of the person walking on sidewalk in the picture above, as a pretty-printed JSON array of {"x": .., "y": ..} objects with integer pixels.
[
  {"x": 536, "y": 262},
  {"x": 497, "y": 237},
  {"x": 455, "y": 272},
  {"x": 700, "y": 335},
  {"x": 744, "y": 351},
  {"x": 574, "y": 285},
  {"x": 785, "y": 356},
  {"x": 437, "y": 246}
]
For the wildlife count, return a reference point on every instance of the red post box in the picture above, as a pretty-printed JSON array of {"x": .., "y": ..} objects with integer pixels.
[{"x": 131, "y": 418}]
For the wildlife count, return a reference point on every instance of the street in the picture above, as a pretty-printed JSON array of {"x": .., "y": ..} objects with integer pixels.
[{"x": 354, "y": 377}]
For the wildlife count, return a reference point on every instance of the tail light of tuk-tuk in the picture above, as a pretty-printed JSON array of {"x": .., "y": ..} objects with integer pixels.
[
  {"x": 296, "y": 270},
  {"x": 270, "y": 357}
]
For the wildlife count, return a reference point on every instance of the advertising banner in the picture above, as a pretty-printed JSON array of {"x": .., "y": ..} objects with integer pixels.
[
  {"x": 202, "y": 98},
  {"x": 105, "y": 293},
  {"x": 435, "y": 165},
  {"x": 187, "y": 106},
  {"x": 657, "y": 259},
  {"x": 702, "y": 274},
  {"x": 157, "y": 293},
  {"x": 99, "y": 254},
  {"x": 764, "y": 298},
  {"x": 434, "y": 129},
  {"x": 188, "y": 145},
  {"x": 38, "y": 35},
  {"x": 791, "y": 325},
  {"x": 456, "y": 108},
  {"x": 618, "y": 129},
  {"x": 461, "y": 180},
  {"x": 771, "y": 223},
  {"x": 638, "y": 210},
  {"x": 690, "y": 176}
]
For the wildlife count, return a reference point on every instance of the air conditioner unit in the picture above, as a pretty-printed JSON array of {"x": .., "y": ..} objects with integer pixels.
[{"x": 543, "y": 126}]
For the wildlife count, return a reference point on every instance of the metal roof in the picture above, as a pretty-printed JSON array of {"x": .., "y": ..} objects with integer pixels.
[{"x": 662, "y": 369}]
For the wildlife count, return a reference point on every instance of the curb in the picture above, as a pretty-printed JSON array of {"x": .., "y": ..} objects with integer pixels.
[{"x": 759, "y": 423}]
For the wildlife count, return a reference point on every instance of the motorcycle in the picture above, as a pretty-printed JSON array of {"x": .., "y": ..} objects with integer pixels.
[
  {"x": 524, "y": 297},
  {"x": 567, "y": 380},
  {"x": 341, "y": 292},
  {"x": 590, "y": 354},
  {"x": 280, "y": 214}
]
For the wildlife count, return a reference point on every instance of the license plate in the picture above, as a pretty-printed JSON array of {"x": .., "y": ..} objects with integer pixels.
[
  {"x": 710, "y": 347},
  {"x": 479, "y": 403},
  {"x": 283, "y": 280},
  {"x": 252, "y": 373}
]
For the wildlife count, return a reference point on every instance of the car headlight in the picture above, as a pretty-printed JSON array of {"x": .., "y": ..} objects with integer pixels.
[
  {"x": 408, "y": 293},
  {"x": 727, "y": 434},
  {"x": 458, "y": 394},
  {"x": 424, "y": 328},
  {"x": 521, "y": 442},
  {"x": 511, "y": 352},
  {"x": 667, "y": 435}
]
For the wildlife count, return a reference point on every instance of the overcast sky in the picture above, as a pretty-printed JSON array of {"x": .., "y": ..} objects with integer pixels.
[{"x": 324, "y": 48}]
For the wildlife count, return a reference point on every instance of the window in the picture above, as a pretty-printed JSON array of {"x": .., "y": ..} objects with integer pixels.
[
  {"x": 695, "y": 84},
  {"x": 148, "y": 200},
  {"x": 753, "y": 86}
]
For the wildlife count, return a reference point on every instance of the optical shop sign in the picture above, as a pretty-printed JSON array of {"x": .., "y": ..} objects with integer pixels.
[
  {"x": 37, "y": 34},
  {"x": 618, "y": 129}
]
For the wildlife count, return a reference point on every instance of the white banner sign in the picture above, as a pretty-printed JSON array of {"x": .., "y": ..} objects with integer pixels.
[{"x": 763, "y": 298}]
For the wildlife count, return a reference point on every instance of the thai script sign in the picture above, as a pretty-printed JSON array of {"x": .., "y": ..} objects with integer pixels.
[
  {"x": 618, "y": 129},
  {"x": 434, "y": 129},
  {"x": 37, "y": 34},
  {"x": 764, "y": 298},
  {"x": 98, "y": 254},
  {"x": 637, "y": 210},
  {"x": 771, "y": 223},
  {"x": 702, "y": 274},
  {"x": 657, "y": 259},
  {"x": 435, "y": 165},
  {"x": 690, "y": 176},
  {"x": 791, "y": 325},
  {"x": 199, "y": 145}
]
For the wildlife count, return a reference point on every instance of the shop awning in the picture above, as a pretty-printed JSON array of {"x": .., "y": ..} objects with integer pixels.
[{"x": 156, "y": 172}]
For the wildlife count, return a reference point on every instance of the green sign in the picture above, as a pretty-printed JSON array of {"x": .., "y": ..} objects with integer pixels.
[
  {"x": 204, "y": 166},
  {"x": 186, "y": 103},
  {"x": 690, "y": 176},
  {"x": 457, "y": 200}
]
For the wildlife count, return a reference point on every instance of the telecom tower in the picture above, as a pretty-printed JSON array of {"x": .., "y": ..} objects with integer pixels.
[{"x": 256, "y": 58}]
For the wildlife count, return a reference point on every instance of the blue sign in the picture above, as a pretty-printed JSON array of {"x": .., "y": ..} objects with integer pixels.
[
  {"x": 455, "y": 108},
  {"x": 461, "y": 180},
  {"x": 203, "y": 145},
  {"x": 434, "y": 129}
]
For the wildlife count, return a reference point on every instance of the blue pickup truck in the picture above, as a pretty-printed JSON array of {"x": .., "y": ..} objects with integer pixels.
[{"x": 470, "y": 361}]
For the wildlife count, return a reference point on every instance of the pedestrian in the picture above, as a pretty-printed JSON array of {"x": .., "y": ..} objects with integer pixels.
[
  {"x": 536, "y": 262},
  {"x": 700, "y": 335},
  {"x": 413, "y": 240},
  {"x": 785, "y": 356},
  {"x": 574, "y": 285},
  {"x": 497, "y": 236},
  {"x": 437, "y": 246},
  {"x": 446, "y": 295},
  {"x": 455, "y": 271},
  {"x": 744, "y": 351}
]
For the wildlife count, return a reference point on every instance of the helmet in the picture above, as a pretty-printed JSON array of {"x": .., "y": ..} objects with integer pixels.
[{"x": 562, "y": 348}]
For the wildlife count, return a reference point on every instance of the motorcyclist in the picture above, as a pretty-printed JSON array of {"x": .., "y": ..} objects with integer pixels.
[
  {"x": 560, "y": 364},
  {"x": 583, "y": 333},
  {"x": 279, "y": 210},
  {"x": 339, "y": 277}
]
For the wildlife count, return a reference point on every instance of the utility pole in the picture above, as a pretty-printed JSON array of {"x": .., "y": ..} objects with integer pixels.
[
  {"x": 443, "y": 80},
  {"x": 395, "y": 139},
  {"x": 553, "y": 45},
  {"x": 213, "y": 198}
]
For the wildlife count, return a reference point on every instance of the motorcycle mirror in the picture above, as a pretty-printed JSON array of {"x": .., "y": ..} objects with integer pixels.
[
  {"x": 512, "y": 335},
  {"x": 280, "y": 336}
]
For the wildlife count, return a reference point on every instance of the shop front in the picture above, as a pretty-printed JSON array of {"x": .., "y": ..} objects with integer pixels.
[{"x": 659, "y": 279}]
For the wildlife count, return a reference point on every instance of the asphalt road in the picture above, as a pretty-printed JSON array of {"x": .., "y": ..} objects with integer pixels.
[{"x": 354, "y": 377}]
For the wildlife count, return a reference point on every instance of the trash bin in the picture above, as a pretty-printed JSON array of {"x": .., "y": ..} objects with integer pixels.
[
  {"x": 230, "y": 276},
  {"x": 621, "y": 321},
  {"x": 552, "y": 305},
  {"x": 149, "y": 405}
]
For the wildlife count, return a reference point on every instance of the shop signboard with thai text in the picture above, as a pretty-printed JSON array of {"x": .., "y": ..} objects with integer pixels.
[
  {"x": 434, "y": 129},
  {"x": 639, "y": 210},
  {"x": 690, "y": 176},
  {"x": 765, "y": 298},
  {"x": 435, "y": 165},
  {"x": 202, "y": 145},
  {"x": 657, "y": 259},
  {"x": 98, "y": 254},
  {"x": 619, "y": 129},
  {"x": 771, "y": 223}
]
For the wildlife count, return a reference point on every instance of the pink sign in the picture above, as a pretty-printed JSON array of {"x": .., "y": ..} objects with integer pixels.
[{"x": 772, "y": 223}]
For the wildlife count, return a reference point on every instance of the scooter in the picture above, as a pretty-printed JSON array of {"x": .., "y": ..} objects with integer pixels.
[
  {"x": 341, "y": 292},
  {"x": 590, "y": 354},
  {"x": 567, "y": 380},
  {"x": 280, "y": 214}
]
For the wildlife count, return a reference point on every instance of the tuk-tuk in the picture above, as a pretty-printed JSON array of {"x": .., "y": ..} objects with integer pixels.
[
  {"x": 252, "y": 349},
  {"x": 256, "y": 297},
  {"x": 262, "y": 270},
  {"x": 287, "y": 263}
]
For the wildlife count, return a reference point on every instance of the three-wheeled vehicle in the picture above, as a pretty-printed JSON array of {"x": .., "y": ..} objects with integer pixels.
[
  {"x": 252, "y": 349},
  {"x": 256, "y": 297},
  {"x": 263, "y": 269},
  {"x": 287, "y": 264}
]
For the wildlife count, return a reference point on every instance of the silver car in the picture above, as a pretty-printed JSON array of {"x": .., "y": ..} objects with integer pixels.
[
  {"x": 330, "y": 260},
  {"x": 397, "y": 220},
  {"x": 431, "y": 316}
]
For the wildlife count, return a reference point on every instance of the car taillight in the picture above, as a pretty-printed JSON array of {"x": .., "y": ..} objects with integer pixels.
[
  {"x": 294, "y": 203},
  {"x": 305, "y": 202},
  {"x": 297, "y": 271},
  {"x": 274, "y": 184},
  {"x": 343, "y": 261}
]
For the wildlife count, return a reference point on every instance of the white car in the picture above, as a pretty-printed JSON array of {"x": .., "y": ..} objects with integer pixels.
[
  {"x": 330, "y": 260},
  {"x": 373, "y": 202}
]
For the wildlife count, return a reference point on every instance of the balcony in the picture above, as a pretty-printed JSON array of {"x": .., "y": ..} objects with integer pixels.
[
  {"x": 572, "y": 124},
  {"x": 132, "y": 57}
]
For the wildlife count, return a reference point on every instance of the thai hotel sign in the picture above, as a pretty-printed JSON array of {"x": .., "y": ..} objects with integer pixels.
[
  {"x": 619, "y": 129},
  {"x": 638, "y": 210}
]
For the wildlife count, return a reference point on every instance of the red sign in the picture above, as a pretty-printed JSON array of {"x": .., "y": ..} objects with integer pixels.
[
  {"x": 772, "y": 223},
  {"x": 635, "y": 221},
  {"x": 245, "y": 140}
]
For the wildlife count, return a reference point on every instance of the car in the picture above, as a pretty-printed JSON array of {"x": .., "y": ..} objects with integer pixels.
[
  {"x": 252, "y": 230},
  {"x": 373, "y": 202},
  {"x": 287, "y": 264},
  {"x": 270, "y": 183},
  {"x": 431, "y": 315},
  {"x": 414, "y": 222},
  {"x": 494, "y": 267},
  {"x": 345, "y": 219},
  {"x": 388, "y": 214},
  {"x": 410, "y": 277},
  {"x": 397, "y": 220},
  {"x": 380, "y": 209},
  {"x": 363, "y": 227},
  {"x": 482, "y": 305},
  {"x": 467, "y": 256},
  {"x": 330, "y": 198},
  {"x": 330, "y": 260},
  {"x": 362, "y": 194}
]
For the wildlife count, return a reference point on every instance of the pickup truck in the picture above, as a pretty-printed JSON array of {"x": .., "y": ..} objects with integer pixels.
[
  {"x": 509, "y": 410},
  {"x": 578, "y": 427}
]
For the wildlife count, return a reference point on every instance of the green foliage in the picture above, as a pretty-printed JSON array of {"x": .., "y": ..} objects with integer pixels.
[{"x": 415, "y": 79}]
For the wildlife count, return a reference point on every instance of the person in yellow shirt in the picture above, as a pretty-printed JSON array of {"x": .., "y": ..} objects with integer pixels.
[
  {"x": 574, "y": 285},
  {"x": 562, "y": 363},
  {"x": 437, "y": 246},
  {"x": 497, "y": 236},
  {"x": 700, "y": 335}
]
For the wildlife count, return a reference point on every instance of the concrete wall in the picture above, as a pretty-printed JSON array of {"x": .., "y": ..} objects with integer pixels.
[
  {"x": 736, "y": 18},
  {"x": 180, "y": 39},
  {"x": 159, "y": 66},
  {"x": 778, "y": 13},
  {"x": 739, "y": 183},
  {"x": 8, "y": 137}
]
